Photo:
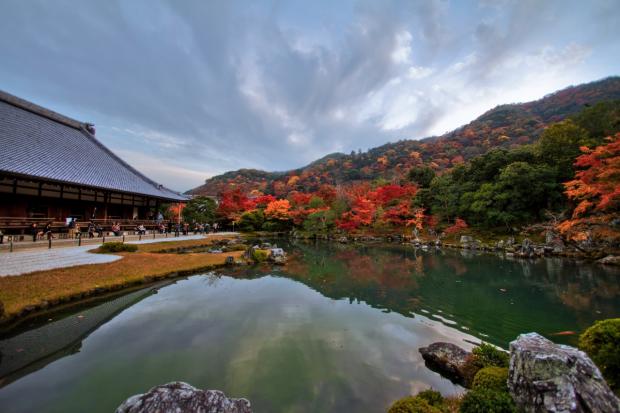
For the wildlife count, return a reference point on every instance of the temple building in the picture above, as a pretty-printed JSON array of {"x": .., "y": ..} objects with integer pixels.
[{"x": 52, "y": 168}]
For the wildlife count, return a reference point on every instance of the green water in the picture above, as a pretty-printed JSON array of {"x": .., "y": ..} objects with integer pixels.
[{"x": 337, "y": 329}]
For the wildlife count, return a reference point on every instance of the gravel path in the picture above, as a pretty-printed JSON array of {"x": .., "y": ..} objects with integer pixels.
[{"x": 22, "y": 262}]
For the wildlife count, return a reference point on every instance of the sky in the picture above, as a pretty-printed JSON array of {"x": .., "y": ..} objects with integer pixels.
[{"x": 188, "y": 89}]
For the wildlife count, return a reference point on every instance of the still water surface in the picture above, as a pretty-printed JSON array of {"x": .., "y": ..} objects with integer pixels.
[{"x": 337, "y": 329}]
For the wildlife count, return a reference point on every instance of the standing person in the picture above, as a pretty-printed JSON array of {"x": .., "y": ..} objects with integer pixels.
[
  {"x": 71, "y": 226},
  {"x": 34, "y": 230},
  {"x": 78, "y": 230},
  {"x": 1, "y": 236},
  {"x": 48, "y": 231},
  {"x": 91, "y": 229},
  {"x": 215, "y": 225},
  {"x": 186, "y": 229}
]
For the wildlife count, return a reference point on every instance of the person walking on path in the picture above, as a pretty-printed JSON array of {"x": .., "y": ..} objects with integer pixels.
[
  {"x": 48, "y": 231},
  {"x": 91, "y": 229},
  {"x": 78, "y": 230}
]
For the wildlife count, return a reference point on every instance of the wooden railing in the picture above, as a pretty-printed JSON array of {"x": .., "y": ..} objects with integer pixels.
[{"x": 12, "y": 224}]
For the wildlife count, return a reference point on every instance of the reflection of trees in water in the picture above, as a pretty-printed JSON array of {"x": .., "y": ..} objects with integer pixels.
[
  {"x": 498, "y": 295},
  {"x": 582, "y": 286},
  {"x": 382, "y": 277}
]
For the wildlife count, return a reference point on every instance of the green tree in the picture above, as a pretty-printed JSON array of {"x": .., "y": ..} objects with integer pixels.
[
  {"x": 600, "y": 120},
  {"x": 200, "y": 209},
  {"x": 559, "y": 146},
  {"x": 320, "y": 221},
  {"x": 422, "y": 176},
  {"x": 251, "y": 220}
]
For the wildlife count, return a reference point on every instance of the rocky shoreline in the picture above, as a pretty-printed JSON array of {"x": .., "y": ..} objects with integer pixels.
[{"x": 552, "y": 247}]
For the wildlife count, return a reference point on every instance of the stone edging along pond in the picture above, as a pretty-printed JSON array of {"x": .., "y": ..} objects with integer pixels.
[{"x": 509, "y": 246}]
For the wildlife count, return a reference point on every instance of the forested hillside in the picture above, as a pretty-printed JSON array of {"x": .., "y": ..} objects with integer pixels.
[{"x": 506, "y": 126}]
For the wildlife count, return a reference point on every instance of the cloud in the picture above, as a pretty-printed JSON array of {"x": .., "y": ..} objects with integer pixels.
[{"x": 199, "y": 88}]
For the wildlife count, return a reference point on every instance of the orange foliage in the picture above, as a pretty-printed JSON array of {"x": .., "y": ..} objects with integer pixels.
[
  {"x": 597, "y": 183},
  {"x": 458, "y": 226},
  {"x": 278, "y": 209}
]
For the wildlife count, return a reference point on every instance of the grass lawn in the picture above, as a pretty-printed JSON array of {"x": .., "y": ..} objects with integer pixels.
[{"x": 41, "y": 289}]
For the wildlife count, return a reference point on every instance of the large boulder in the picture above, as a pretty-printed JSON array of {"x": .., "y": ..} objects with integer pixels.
[
  {"x": 548, "y": 377},
  {"x": 447, "y": 359},
  {"x": 180, "y": 397}
]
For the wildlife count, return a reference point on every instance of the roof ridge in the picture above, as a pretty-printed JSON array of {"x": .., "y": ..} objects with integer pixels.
[{"x": 39, "y": 110}]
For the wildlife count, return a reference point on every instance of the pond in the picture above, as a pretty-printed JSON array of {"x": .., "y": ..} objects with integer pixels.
[{"x": 336, "y": 329}]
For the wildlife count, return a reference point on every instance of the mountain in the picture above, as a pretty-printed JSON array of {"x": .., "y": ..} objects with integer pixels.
[{"x": 506, "y": 126}]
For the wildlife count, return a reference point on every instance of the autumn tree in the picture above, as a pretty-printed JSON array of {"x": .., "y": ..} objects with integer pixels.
[
  {"x": 458, "y": 226},
  {"x": 596, "y": 187},
  {"x": 278, "y": 209},
  {"x": 232, "y": 205}
]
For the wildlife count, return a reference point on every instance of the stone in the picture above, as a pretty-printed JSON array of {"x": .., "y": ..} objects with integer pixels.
[
  {"x": 277, "y": 256},
  {"x": 549, "y": 377},
  {"x": 182, "y": 397},
  {"x": 610, "y": 260},
  {"x": 447, "y": 359},
  {"x": 466, "y": 239}
]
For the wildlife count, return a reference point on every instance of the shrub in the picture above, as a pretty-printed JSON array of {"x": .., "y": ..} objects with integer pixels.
[
  {"x": 601, "y": 342},
  {"x": 491, "y": 378},
  {"x": 434, "y": 398},
  {"x": 487, "y": 401},
  {"x": 117, "y": 247},
  {"x": 235, "y": 247},
  {"x": 487, "y": 355},
  {"x": 412, "y": 404},
  {"x": 260, "y": 255}
]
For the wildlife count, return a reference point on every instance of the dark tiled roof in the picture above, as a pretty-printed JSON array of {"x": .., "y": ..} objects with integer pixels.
[{"x": 37, "y": 142}]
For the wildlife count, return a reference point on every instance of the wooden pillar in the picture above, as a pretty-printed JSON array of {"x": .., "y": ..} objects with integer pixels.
[{"x": 106, "y": 197}]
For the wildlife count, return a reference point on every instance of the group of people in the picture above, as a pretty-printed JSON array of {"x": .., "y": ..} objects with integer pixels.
[
  {"x": 204, "y": 228},
  {"x": 95, "y": 229},
  {"x": 39, "y": 233}
]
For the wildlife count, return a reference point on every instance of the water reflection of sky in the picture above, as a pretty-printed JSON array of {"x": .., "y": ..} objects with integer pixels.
[{"x": 272, "y": 339}]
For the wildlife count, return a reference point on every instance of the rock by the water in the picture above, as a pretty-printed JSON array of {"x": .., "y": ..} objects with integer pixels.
[
  {"x": 179, "y": 397},
  {"x": 466, "y": 239},
  {"x": 277, "y": 256},
  {"x": 447, "y": 359},
  {"x": 548, "y": 377},
  {"x": 610, "y": 260}
]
